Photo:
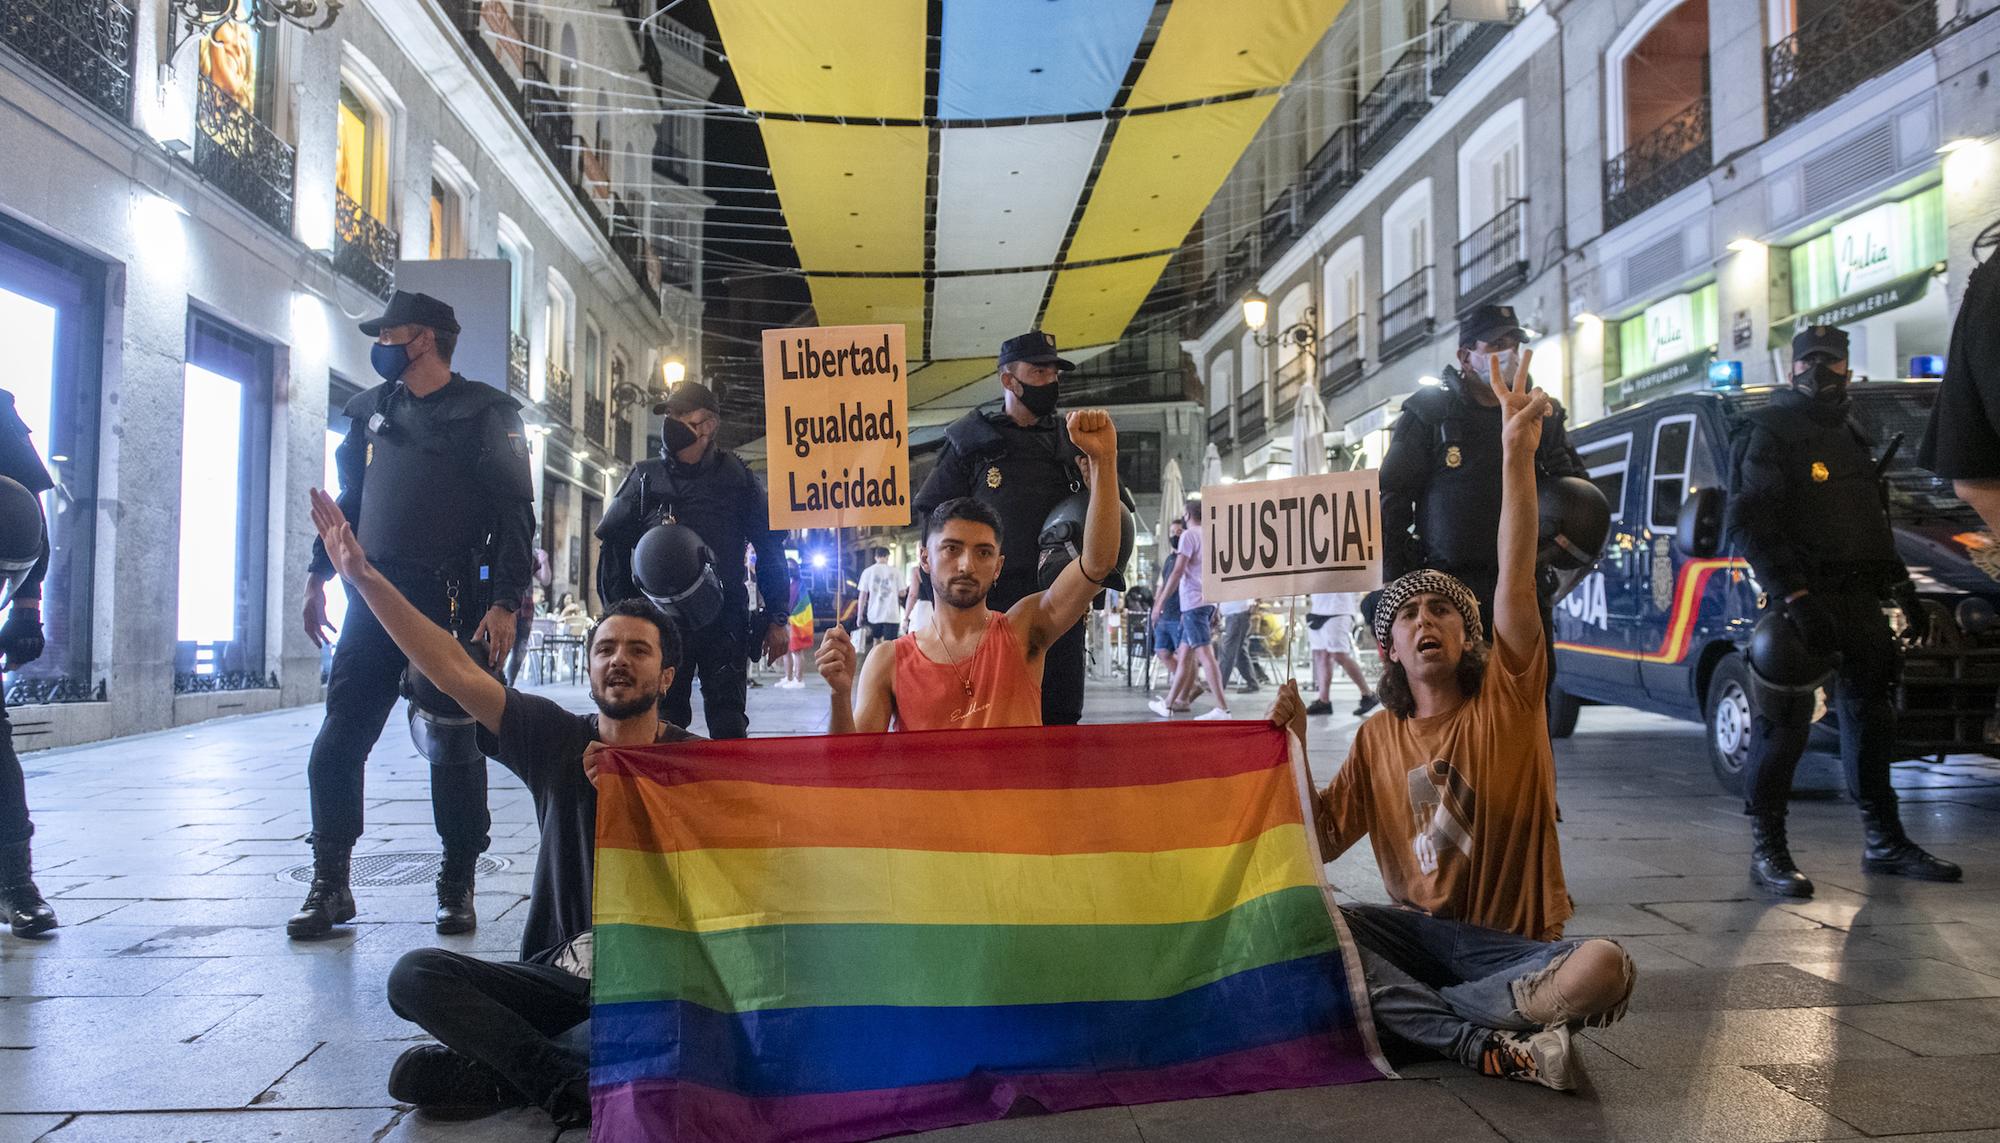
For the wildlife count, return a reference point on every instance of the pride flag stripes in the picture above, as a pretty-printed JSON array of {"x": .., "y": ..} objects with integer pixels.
[{"x": 844, "y": 938}]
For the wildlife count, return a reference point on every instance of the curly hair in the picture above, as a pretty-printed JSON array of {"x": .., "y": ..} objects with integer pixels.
[{"x": 1393, "y": 688}]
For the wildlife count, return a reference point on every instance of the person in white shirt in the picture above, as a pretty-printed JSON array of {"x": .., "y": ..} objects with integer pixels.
[
  {"x": 877, "y": 610},
  {"x": 1330, "y": 634}
]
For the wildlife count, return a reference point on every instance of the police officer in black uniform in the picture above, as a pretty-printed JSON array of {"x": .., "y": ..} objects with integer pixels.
[
  {"x": 434, "y": 477},
  {"x": 21, "y": 642},
  {"x": 1440, "y": 481},
  {"x": 1806, "y": 508},
  {"x": 698, "y": 483},
  {"x": 1018, "y": 458}
]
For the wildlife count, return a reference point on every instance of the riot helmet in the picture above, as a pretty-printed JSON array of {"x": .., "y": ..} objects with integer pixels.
[
  {"x": 1062, "y": 537},
  {"x": 1575, "y": 522},
  {"x": 444, "y": 734},
  {"x": 676, "y": 570},
  {"x": 21, "y": 537},
  {"x": 1782, "y": 660}
]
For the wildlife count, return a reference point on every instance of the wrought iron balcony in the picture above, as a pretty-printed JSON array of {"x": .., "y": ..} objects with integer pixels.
[
  {"x": 593, "y": 417},
  {"x": 1400, "y": 98},
  {"x": 85, "y": 44},
  {"x": 1218, "y": 430},
  {"x": 1673, "y": 156},
  {"x": 517, "y": 366},
  {"x": 1280, "y": 221},
  {"x": 1458, "y": 45},
  {"x": 557, "y": 393},
  {"x": 1331, "y": 170},
  {"x": 676, "y": 39},
  {"x": 1494, "y": 258},
  {"x": 364, "y": 247},
  {"x": 1834, "y": 53},
  {"x": 1340, "y": 359},
  {"x": 629, "y": 242},
  {"x": 1250, "y": 415},
  {"x": 1406, "y": 314},
  {"x": 1291, "y": 377},
  {"x": 235, "y": 150}
]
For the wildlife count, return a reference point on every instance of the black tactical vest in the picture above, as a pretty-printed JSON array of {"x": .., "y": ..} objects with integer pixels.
[
  {"x": 422, "y": 501},
  {"x": 1834, "y": 510}
]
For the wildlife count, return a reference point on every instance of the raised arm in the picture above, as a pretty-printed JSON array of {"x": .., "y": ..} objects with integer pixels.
[
  {"x": 1517, "y": 616},
  {"x": 433, "y": 649},
  {"x": 1048, "y": 615},
  {"x": 835, "y": 660}
]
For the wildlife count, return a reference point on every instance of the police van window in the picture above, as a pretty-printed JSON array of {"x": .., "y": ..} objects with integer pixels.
[
  {"x": 1673, "y": 446},
  {"x": 1605, "y": 462}
]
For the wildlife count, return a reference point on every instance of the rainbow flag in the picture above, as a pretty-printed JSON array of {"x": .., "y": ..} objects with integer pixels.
[
  {"x": 802, "y": 623},
  {"x": 827, "y": 939}
]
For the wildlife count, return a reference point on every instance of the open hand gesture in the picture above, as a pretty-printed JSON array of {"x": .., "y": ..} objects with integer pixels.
[
  {"x": 342, "y": 548},
  {"x": 1093, "y": 433},
  {"x": 1522, "y": 406}
]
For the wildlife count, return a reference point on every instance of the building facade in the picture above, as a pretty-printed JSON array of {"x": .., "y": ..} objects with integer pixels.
[
  {"x": 1657, "y": 186},
  {"x": 190, "y": 226}
]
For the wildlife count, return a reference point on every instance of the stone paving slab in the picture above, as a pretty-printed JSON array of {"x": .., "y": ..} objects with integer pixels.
[{"x": 171, "y": 1006}]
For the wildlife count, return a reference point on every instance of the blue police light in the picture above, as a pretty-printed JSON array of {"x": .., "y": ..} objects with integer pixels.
[
  {"x": 1725, "y": 375},
  {"x": 1927, "y": 365}
]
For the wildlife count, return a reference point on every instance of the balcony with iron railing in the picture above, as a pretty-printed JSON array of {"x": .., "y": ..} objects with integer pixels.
[
  {"x": 594, "y": 422},
  {"x": 670, "y": 162},
  {"x": 1388, "y": 113},
  {"x": 1672, "y": 156},
  {"x": 364, "y": 247},
  {"x": 1340, "y": 360},
  {"x": 1218, "y": 430},
  {"x": 1836, "y": 51},
  {"x": 629, "y": 242},
  {"x": 1493, "y": 259},
  {"x": 1458, "y": 45},
  {"x": 237, "y": 152},
  {"x": 517, "y": 366},
  {"x": 558, "y": 394},
  {"x": 1290, "y": 378},
  {"x": 678, "y": 40},
  {"x": 85, "y": 44},
  {"x": 1330, "y": 171},
  {"x": 1406, "y": 315},
  {"x": 1280, "y": 221},
  {"x": 1250, "y": 416}
]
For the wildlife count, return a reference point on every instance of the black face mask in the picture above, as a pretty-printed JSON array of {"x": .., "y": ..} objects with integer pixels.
[
  {"x": 1039, "y": 399},
  {"x": 675, "y": 436},
  {"x": 1823, "y": 383}
]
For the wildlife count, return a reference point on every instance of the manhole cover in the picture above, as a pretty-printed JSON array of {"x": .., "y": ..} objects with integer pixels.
[{"x": 377, "y": 870}]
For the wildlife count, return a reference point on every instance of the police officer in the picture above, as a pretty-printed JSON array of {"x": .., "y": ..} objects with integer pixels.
[
  {"x": 1440, "y": 480},
  {"x": 1019, "y": 459},
  {"x": 434, "y": 477},
  {"x": 21, "y": 642},
  {"x": 1806, "y": 508},
  {"x": 1962, "y": 443},
  {"x": 696, "y": 482}
]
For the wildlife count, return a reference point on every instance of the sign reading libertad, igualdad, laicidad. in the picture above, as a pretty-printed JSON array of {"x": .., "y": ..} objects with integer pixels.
[{"x": 836, "y": 420}]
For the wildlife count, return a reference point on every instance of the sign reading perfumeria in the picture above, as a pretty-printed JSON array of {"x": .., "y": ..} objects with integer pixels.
[
  {"x": 1293, "y": 536},
  {"x": 836, "y": 414}
]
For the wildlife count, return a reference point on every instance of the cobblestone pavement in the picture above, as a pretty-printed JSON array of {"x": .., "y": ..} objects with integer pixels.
[{"x": 171, "y": 1007}]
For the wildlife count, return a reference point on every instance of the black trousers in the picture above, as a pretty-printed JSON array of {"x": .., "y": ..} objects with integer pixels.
[
  {"x": 507, "y": 1015},
  {"x": 720, "y": 654},
  {"x": 362, "y": 689},
  {"x": 1864, "y": 699},
  {"x": 1062, "y": 665},
  {"x": 14, "y": 824}
]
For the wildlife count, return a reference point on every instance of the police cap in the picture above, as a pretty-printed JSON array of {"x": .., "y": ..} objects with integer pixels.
[
  {"x": 1035, "y": 348},
  {"x": 1828, "y": 339},
  {"x": 687, "y": 397},
  {"x": 1489, "y": 324},
  {"x": 410, "y": 308}
]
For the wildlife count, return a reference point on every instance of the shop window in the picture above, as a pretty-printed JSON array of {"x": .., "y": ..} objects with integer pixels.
[
  {"x": 1667, "y": 330},
  {"x": 1673, "y": 448},
  {"x": 1870, "y": 251},
  {"x": 51, "y": 319},
  {"x": 1605, "y": 462},
  {"x": 339, "y": 391}
]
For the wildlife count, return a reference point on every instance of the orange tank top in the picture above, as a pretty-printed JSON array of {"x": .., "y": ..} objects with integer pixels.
[{"x": 931, "y": 696}]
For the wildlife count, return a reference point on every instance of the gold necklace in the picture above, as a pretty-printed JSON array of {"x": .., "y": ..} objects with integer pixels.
[{"x": 964, "y": 679}]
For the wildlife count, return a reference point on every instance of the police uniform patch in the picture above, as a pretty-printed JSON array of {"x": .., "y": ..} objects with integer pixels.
[
  {"x": 992, "y": 478},
  {"x": 1819, "y": 473},
  {"x": 1453, "y": 458}
]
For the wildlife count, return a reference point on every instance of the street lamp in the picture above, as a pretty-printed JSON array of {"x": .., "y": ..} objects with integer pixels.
[
  {"x": 673, "y": 371},
  {"x": 1256, "y": 308},
  {"x": 1303, "y": 333}
]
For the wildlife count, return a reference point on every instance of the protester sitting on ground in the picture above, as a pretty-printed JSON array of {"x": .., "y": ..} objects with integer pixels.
[
  {"x": 1456, "y": 794},
  {"x": 512, "y": 1034},
  {"x": 1330, "y": 634},
  {"x": 973, "y": 666}
]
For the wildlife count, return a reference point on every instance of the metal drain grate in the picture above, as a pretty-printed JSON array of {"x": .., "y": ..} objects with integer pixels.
[{"x": 379, "y": 870}]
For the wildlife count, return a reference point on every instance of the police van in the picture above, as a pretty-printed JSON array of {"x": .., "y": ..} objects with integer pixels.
[{"x": 1661, "y": 622}]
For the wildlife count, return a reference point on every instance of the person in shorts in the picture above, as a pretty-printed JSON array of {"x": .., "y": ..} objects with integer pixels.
[{"x": 1330, "y": 636}]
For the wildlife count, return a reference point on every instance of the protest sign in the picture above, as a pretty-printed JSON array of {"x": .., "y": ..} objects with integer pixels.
[
  {"x": 1270, "y": 538},
  {"x": 836, "y": 415}
]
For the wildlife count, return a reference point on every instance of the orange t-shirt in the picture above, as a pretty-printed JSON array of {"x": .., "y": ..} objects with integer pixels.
[
  {"x": 1461, "y": 807},
  {"x": 931, "y": 696}
]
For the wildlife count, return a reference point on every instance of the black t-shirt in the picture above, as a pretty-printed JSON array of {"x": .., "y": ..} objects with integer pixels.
[{"x": 543, "y": 744}]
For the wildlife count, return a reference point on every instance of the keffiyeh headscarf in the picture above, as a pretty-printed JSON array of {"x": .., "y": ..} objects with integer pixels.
[{"x": 1426, "y": 581}]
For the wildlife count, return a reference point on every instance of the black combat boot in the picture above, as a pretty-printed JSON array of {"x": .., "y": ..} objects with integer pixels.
[
  {"x": 1771, "y": 867},
  {"x": 329, "y": 902},
  {"x": 454, "y": 885},
  {"x": 20, "y": 901},
  {"x": 1890, "y": 850}
]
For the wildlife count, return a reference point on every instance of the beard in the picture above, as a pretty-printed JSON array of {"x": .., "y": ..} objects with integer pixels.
[
  {"x": 629, "y": 708},
  {"x": 964, "y": 593}
]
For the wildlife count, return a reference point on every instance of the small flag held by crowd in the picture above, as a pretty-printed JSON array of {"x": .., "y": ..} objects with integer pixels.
[
  {"x": 801, "y": 626},
  {"x": 868, "y": 935}
]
